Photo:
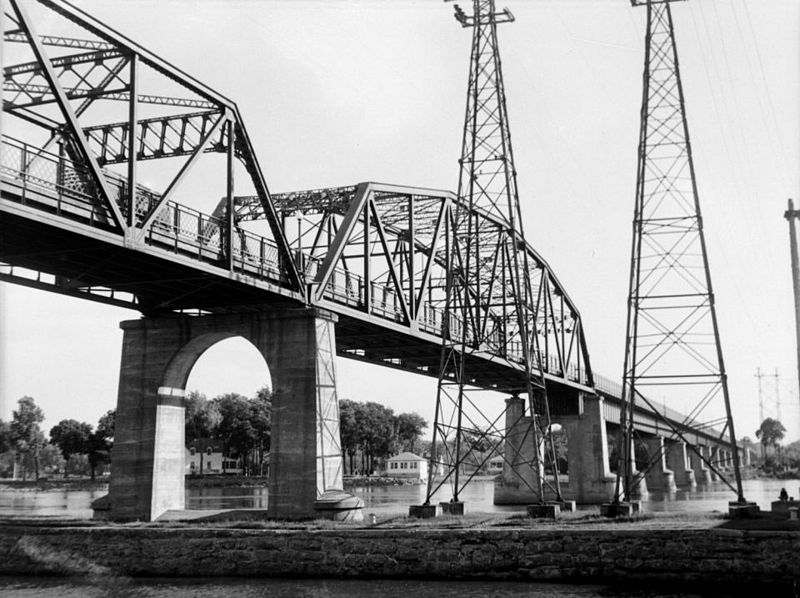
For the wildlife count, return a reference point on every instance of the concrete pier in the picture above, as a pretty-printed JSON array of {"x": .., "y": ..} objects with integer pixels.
[
  {"x": 678, "y": 462},
  {"x": 701, "y": 471},
  {"x": 519, "y": 481},
  {"x": 590, "y": 479},
  {"x": 659, "y": 477},
  {"x": 715, "y": 461},
  {"x": 157, "y": 356}
]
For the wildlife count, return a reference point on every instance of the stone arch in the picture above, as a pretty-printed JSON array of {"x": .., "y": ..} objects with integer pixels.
[{"x": 182, "y": 364}]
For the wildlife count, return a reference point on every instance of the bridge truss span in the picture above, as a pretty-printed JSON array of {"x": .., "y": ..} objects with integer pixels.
[
  {"x": 381, "y": 252},
  {"x": 107, "y": 149}
]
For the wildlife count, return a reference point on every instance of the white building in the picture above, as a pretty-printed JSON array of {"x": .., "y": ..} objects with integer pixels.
[
  {"x": 209, "y": 461},
  {"x": 407, "y": 465},
  {"x": 495, "y": 465}
]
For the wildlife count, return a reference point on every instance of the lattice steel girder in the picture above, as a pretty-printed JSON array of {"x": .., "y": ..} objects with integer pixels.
[
  {"x": 59, "y": 41},
  {"x": 33, "y": 90},
  {"x": 63, "y": 62},
  {"x": 160, "y": 137}
]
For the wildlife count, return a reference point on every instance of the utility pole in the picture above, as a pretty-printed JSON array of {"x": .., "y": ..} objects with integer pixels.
[
  {"x": 791, "y": 215},
  {"x": 759, "y": 375}
]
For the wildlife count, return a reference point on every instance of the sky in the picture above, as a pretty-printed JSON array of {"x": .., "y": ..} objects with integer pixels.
[{"x": 336, "y": 92}]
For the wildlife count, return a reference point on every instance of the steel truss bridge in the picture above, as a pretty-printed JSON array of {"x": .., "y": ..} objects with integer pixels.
[{"x": 85, "y": 112}]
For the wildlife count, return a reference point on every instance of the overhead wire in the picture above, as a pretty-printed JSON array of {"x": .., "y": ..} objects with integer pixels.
[
  {"x": 736, "y": 163},
  {"x": 770, "y": 103}
]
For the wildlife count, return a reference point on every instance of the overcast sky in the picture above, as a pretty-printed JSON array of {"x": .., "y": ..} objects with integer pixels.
[{"x": 338, "y": 92}]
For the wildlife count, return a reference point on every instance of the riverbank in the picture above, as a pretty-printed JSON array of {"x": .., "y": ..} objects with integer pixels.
[{"x": 705, "y": 554}]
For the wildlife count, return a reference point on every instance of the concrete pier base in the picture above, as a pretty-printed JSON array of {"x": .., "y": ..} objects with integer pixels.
[
  {"x": 621, "y": 509},
  {"x": 452, "y": 508},
  {"x": 157, "y": 357},
  {"x": 544, "y": 511},
  {"x": 422, "y": 511}
]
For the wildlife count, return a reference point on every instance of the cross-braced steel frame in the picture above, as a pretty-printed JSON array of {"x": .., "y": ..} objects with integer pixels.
[
  {"x": 672, "y": 346},
  {"x": 487, "y": 288}
]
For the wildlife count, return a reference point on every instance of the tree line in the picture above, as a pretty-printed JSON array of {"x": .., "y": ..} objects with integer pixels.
[
  {"x": 238, "y": 426},
  {"x": 371, "y": 432},
  {"x": 23, "y": 440}
]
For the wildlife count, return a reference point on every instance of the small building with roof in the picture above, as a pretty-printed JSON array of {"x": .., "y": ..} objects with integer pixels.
[{"x": 407, "y": 465}]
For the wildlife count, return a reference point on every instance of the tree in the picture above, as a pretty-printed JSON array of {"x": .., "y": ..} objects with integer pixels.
[
  {"x": 101, "y": 441},
  {"x": 5, "y": 437},
  {"x": 202, "y": 417},
  {"x": 244, "y": 426},
  {"x": 202, "y": 420},
  {"x": 72, "y": 438},
  {"x": 409, "y": 429},
  {"x": 26, "y": 436},
  {"x": 262, "y": 422},
  {"x": 377, "y": 432},
  {"x": 106, "y": 425},
  {"x": 349, "y": 431},
  {"x": 771, "y": 432}
]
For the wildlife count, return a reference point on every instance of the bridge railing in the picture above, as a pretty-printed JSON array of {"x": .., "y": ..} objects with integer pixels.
[
  {"x": 52, "y": 183},
  {"x": 57, "y": 184}
]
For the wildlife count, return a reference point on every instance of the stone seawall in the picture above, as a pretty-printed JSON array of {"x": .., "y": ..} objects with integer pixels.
[{"x": 703, "y": 558}]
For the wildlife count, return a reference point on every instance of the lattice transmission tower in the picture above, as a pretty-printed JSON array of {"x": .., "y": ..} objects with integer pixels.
[
  {"x": 672, "y": 349},
  {"x": 490, "y": 306}
]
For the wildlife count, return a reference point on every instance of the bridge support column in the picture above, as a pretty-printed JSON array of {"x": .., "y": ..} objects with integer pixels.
[
  {"x": 590, "y": 480},
  {"x": 746, "y": 462},
  {"x": 714, "y": 458},
  {"x": 678, "y": 463},
  {"x": 157, "y": 357},
  {"x": 659, "y": 477},
  {"x": 519, "y": 482},
  {"x": 701, "y": 471}
]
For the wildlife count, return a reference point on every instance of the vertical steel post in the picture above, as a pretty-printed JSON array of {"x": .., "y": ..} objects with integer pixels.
[
  {"x": 133, "y": 138},
  {"x": 229, "y": 215},
  {"x": 791, "y": 215}
]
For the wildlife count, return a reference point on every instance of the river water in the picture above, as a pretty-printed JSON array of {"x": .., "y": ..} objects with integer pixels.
[{"x": 383, "y": 502}]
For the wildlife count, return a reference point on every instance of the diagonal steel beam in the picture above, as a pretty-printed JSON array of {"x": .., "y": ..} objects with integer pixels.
[
  {"x": 151, "y": 214},
  {"x": 69, "y": 114},
  {"x": 341, "y": 239}
]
